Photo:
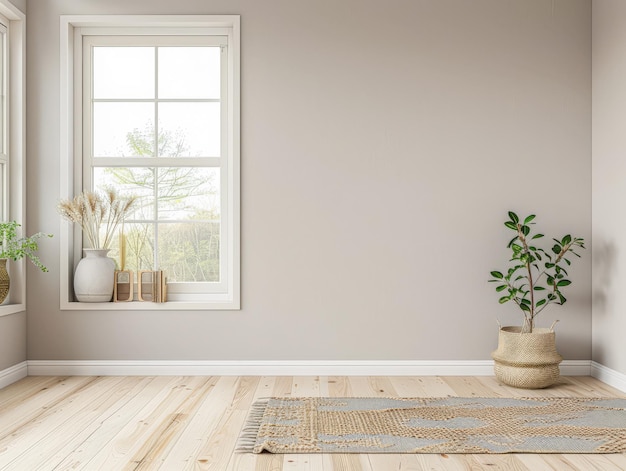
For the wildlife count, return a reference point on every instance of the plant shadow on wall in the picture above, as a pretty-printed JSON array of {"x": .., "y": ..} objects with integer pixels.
[
  {"x": 604, "y": 256},
  {"x": 526, "y": 355},
  {"x": 13, "y": 247}
]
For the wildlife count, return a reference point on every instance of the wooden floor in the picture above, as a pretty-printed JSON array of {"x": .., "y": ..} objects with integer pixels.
[{"x": 192, "y": 423}]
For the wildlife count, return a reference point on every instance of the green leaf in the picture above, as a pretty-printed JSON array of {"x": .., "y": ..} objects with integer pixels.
[
  {"x": 562, "y": 298},
  {"x": 524, "y": 307},
  {"x": 562, "y": 283},
  {"x": 567, "y": 261},
  {"x": 511, "y": 225},
  {"x": 501, "y": 288},
  {"x": 556, "y": 249},
  {"x": 537, "y": 236},
  {"x": 516, "y": 248},
  {"x": 497, "y": 274},
  {"x": 549, "y": 265},
  {"x": 511, "y": 242},
  {"x": 541, "y": 302},
  {"x": 539, "y": 288},
  {"x": 566, "y": 240},
  {"x": 525, "y": 301},
  {"x": 513, "y": 217},
  {"x": 503, "y": 299},
  {"x": 529, "y": 218},
  {"x": 550, "y": 281},
  {"x": 551, "y": 296},
  {"x": 525, "y": 230}
]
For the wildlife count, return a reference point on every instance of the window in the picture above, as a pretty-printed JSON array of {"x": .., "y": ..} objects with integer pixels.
[
  {"x": 156, "y": 115},
  {"x": 12, "y": 140}
]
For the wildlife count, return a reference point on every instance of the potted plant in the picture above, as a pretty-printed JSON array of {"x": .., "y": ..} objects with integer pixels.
[
  {"x": 526, "y": 356},
  {"x": 99, "y": 215},
  {"x": 16, "y": 248}
]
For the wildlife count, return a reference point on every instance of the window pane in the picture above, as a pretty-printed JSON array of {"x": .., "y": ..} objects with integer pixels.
[
  {"x": 2, "y": 191},
  {"x": 3, "y": 91},
  {"x": 138, "y": 181},
  {"x": 139, "y": 239},
  {"x": 186, "y": 193},
  {"x": 123, "y": 129},
  {"x": 190, "y": 251},
  {"x": 193, "y": 128},
  {"x": 123, "y": 72},
  {"x": 189, "y": 72}
]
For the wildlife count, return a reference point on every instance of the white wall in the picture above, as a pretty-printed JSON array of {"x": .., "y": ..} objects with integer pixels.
[
  {"x": 609, "y": 183},
  {"x": 382, "y": 144}
]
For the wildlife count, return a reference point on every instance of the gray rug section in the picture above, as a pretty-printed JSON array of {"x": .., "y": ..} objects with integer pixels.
[{"x": 436, "y": 425}]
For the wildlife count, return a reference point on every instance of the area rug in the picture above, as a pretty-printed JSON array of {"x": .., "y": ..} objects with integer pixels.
[{"x": 436, "y": 425}]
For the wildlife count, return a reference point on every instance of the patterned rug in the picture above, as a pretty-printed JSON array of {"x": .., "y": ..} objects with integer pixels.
[{"x": 436, "y": 425}]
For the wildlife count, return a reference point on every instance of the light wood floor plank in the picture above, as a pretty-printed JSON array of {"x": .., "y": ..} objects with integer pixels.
[
  {"x": 158, "y": 414},
  {"x": 12, "y": 419},
  {"x": 26, "y": 438},
  {"x": 193, "y": 423},
  {"x": 101, "y": 438},
  {"x": 55, "y": 446},
  {"x": 205, "y": 420},
  {"x": 28, "y": 387},
  {"x": 216, "y": 452}
]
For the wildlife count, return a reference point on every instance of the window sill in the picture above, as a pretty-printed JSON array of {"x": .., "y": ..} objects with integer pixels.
[
  {"x": 149, "y": 306},
  {"x": 8, "y": 309}
]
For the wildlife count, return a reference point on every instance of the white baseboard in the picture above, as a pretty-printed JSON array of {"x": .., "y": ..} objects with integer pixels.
[
  {"x": 607, "y": 375},
  {"x": 12, "y": 374},
  {"x": 278, "y": 368}
]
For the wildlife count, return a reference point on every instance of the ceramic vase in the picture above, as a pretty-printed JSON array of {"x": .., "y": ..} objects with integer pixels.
[
  {"x": 94, "y": 277},
  {"x": 5, "y": 282}
]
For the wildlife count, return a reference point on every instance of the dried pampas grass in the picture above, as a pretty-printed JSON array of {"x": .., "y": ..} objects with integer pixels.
[{"x": 94, "y": 210}]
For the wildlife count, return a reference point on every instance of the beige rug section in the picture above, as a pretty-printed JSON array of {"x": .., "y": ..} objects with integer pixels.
[{"x": 436, "y": 425}]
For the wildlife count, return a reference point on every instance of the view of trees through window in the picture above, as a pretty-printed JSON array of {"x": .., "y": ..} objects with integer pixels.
[{"x": 175, "y": 225}]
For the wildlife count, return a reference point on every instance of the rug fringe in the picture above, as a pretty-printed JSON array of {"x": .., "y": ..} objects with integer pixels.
[{"x": 249, "y": 432}]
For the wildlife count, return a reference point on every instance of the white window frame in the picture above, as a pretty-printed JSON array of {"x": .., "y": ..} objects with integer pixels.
[
  {"x": 73, "y": 30},
  {"x": 16, "y": 144}
]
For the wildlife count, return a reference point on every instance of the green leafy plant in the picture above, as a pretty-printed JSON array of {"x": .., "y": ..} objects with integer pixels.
[
  {"x": 537, "y": 277},
  {"x": 15, "y": 248}
]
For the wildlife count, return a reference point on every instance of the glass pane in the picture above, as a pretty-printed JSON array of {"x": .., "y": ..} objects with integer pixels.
[
  {"x": 139, "y": 240},
  {"x": 2, "y": 192},
  {"x": 190, "y": 251},
  {"x": 189, "y": 72},
  {"x": 3, "y": 92},
  {"x": 187, "y": 193},
  {"x": 192, "y": 129},
  {"x": 138, "y": 181},
  {"x": 123, "y": 129},
  {"x": 123, "y": 72}
]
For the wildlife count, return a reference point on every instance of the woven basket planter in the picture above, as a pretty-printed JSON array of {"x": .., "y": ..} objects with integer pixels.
[{"x": 526, "y": 360}]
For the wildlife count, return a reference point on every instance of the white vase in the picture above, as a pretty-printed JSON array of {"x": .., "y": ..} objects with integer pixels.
[{"x": 94, "y": 277}]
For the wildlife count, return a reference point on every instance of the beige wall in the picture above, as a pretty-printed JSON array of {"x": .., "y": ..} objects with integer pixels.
[
  {"x": 12, "y": 340},
  {"x": 609, "y": 183},
  {"x": 382, "y": 144}
]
